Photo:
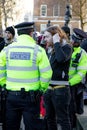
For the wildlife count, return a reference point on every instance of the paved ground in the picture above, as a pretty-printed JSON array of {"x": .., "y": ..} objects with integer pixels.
[
  {"x": 82, "y": 120},
  {"x": 0, "y": 126},
  {"x": 84, "y": 114},
  {"x": 85, "y": 110}
]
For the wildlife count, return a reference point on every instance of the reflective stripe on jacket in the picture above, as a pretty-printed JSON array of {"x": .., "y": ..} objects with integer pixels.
[
  {"x": 77, "y": 74},
  {"x": 24, "y": 64}
]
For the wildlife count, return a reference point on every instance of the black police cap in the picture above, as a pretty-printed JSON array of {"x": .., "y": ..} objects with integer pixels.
[
  {"x": 24, "y": 25},
  {"x": 79, "y": 34}
]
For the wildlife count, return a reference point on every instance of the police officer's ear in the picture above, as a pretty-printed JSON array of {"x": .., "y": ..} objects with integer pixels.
[
  {"x": 31, "y": 34},
  {"x": 31, "y": 31}
]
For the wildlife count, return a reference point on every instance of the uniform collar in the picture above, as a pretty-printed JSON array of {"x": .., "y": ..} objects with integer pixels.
[
  {"x": 77, "y": 48},
  {"x": 27, "y": 37}
]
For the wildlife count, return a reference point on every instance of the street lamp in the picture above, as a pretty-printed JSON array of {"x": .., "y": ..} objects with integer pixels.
[{"x": 67, "y": 15}]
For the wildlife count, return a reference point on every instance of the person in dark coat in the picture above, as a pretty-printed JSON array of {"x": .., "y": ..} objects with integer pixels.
[
  {"x": 1, "y": 43},
  {"x": 1, "y": 40},
  {"x": 57, "y": 97},
  {"x": 8, "y": 38}
]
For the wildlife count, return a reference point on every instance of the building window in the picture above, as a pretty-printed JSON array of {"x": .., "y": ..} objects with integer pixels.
[
  {"x": 43, "y": 10},
  {"x": 56, "y": 10},
  {"x": 43, "y": 27}
]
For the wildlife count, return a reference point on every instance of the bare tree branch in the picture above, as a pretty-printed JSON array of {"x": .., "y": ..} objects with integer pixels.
[
  {"x": 79, "y": 9},
  {"x": 6, "y": 7}
]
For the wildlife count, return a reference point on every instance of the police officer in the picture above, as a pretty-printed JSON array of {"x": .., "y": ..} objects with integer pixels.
[
  {"x": 77, "y": 72},
  {"x": 25, "y": 69}
]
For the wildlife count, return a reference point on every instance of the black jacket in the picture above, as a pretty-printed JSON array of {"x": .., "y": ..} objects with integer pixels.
[
  {"x": 2, "y": 43},
  {"x": 60, "y": 61}
]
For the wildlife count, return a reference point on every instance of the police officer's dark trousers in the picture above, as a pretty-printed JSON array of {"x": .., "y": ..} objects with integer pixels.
[
  {"x": 57, "y": 108},
  {"x": 76, "y": 103},
  {"x": 17, "y": 106},
  {"x": 3, "y": 107}
]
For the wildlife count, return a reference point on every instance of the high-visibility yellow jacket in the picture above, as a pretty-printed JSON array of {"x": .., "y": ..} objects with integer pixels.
[
  {"x": 77, "y": 74},
  {"x": 24, "y": 64}
]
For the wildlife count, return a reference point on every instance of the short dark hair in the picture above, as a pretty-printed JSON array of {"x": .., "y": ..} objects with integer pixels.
[{"x": 66, "y": 29}]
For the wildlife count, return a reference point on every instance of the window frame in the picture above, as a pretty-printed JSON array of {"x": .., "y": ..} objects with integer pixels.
[
  {"x": 41, "y": 13},
  {"x": 43, "y": 27},
  {"x": 58, "y": 9}
]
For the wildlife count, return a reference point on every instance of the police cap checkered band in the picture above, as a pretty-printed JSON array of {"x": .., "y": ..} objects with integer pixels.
[
  {"x": 79, "y": 34},
  {"x": 24, "y": 25}
]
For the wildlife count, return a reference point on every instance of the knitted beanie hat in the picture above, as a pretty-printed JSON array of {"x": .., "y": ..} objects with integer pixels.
[{"x": 11, "y": 30}]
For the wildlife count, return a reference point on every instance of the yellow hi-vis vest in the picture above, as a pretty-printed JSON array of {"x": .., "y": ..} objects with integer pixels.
[
  {"x": 24, "y": 64},
  {"x": 77, "y": 74}
]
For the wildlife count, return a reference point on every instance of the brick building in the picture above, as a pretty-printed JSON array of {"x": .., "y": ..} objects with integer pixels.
[
  {"x": 53, "y": 10},
  {"x": 0, "y": 21}
]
